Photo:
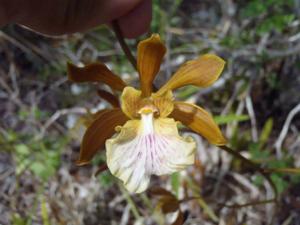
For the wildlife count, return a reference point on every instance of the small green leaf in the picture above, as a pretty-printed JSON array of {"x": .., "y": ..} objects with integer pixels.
[
  {"x": 230, "y": 118},
  {"x": 16, "y": 219},
  {"x": 42, "y": 169},
  {"x": 106, "y": 179},
  {"x": 254, "y": 8},
  {"x": 258, "y": 180},
  {"x": 266, "y": 131},
  {"x": 279, "y": 182},
  {"x": 175, "y": 183},
  {"x": 22, "y": 150}
]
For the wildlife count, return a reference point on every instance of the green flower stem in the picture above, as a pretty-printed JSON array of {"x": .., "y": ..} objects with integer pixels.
[
  {"x": 130, "y": 202},
  {"x": 124, "y": 46}
]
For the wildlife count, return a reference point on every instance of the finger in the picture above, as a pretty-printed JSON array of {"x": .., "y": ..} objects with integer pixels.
[
  {"x": 137, "y": 21},
  {"x": 61, "y": 17}
]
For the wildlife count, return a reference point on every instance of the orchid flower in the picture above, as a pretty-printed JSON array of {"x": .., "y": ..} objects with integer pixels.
[{"x": 141, "y": 133}]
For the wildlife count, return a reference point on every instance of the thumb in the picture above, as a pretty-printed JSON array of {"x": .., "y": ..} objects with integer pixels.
[
  {"x": 137, "y": 21},
  {"x": 57, "y": 17}
]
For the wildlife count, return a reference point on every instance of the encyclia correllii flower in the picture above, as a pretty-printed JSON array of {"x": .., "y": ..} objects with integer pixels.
[{"x": 140, "y": 134}]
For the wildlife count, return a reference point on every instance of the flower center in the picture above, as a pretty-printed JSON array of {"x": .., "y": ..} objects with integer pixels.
[
  {"x": 147, "y": 123},
  {"x": 133, "y": 104},
  {"x": 149, "y": 109},
  {"x": 147, "y": 113}
]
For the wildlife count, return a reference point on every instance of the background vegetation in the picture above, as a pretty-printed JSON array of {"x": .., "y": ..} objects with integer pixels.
[{"x": 256, "y": 102}]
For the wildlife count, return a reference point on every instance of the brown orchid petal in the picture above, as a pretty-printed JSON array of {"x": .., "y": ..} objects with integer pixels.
[
  {"x": 94, "y": 116},
  {"x": 87, "y": 119},
  {"x": 95, "y": 72},
  {"x": 160, "y": 191},
  {"x": 149, "y": 57},
  {"x": 109, "y": 97},
  {"x": 201, "y": 72},
  {"x": 200, "y": 121},
  {"x": 168, "y": 204},
  {"x": 102, "y": 128}
]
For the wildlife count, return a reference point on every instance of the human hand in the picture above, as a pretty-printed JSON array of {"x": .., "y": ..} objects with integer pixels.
[{"x": 58, "y": 17}]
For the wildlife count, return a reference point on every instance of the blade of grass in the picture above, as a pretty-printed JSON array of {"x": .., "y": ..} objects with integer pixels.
[
  {"x": 44, "y": 211},
  {"x": 128, "y": 198},
  {"x": 283, "y": 170},
  {"x": 175, "y": 183}
]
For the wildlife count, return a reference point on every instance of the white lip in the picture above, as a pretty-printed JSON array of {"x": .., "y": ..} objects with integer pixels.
[{"x": 145, "y": 147}]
